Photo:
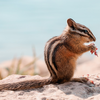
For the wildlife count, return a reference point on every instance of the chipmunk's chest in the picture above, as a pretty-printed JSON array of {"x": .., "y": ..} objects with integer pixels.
[
  {"x": 62, "y": 54},
  {"x": 62, "y": 57}
]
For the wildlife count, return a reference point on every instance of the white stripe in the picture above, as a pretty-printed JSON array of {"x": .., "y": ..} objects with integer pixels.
[
  {"x": 46, "y": 48},
  {"x": 50, "y": 56}
]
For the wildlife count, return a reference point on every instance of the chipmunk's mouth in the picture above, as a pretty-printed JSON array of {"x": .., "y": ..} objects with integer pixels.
[{"x": 88, "y": 43}]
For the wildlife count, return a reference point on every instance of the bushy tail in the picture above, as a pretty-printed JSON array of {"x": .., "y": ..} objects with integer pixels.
[{"x": 24, "y": 85}]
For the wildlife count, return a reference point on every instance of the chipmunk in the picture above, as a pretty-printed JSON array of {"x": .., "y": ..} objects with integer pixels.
[{"x": 60, "y": 54}]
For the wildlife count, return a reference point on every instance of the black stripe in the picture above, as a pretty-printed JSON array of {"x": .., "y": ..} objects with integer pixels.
[
  {"x": 48, "y": 53},
  {"x": 86, "y": 32},
  {"x": 53, "y": 55},
  {"x": 45, "y": 57}
]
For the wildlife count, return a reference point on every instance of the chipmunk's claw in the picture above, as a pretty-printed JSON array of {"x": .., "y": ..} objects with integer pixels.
[{"x": 89, "y": 82}]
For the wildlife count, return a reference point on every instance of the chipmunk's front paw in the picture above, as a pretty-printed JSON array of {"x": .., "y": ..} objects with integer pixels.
[{"x": 93, "y": 49}]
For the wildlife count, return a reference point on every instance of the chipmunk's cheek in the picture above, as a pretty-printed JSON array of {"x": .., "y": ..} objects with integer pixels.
[{"x": 87, "y": 40}]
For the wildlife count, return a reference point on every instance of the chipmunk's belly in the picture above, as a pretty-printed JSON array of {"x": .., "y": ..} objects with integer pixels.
[
  {"x": 63, "y": 56},
  {"x": 65, "y": 62}
]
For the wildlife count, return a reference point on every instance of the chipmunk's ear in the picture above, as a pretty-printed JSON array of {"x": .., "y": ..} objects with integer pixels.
[{"x": 71, "y": 23}]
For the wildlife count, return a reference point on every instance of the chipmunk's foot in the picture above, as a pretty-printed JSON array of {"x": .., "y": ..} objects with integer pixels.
[
  {"x": 84, "y": 80},
  {"x": 81, "y": 80}
]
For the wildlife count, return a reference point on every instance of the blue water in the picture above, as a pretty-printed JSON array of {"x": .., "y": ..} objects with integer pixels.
[{"x": 25, "y": 24}]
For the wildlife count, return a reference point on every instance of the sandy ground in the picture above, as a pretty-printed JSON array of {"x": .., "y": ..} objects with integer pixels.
[{"x": 66, "y": 91}]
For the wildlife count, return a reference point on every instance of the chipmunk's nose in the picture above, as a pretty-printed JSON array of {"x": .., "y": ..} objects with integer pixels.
[
  {"x": 92, "y": 36},
  {"x": 94, "y": 39}
]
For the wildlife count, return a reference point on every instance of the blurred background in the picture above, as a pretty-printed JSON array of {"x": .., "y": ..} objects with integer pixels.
[
  {"x": 25, "y": 24},
  {"x": 28, "y": 23}
]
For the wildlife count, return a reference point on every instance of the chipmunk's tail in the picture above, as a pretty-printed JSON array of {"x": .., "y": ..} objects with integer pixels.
[{"x": 24, "y": 85}]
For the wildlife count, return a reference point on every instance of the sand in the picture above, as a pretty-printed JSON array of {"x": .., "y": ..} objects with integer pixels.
[{"x": 66, "y": 91}]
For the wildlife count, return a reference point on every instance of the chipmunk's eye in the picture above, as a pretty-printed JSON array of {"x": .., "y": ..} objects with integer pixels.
[{"x": 85, "y": 31}]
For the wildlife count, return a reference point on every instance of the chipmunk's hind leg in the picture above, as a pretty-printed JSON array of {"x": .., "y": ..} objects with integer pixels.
[{"x": 81, "y": 80}]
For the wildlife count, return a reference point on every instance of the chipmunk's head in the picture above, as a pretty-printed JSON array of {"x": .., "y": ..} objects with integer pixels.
[{"x": 79, "y": 31}]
